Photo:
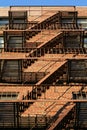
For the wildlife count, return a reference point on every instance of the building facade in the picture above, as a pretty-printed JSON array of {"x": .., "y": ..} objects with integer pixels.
[{"x": 43, "y": 67}]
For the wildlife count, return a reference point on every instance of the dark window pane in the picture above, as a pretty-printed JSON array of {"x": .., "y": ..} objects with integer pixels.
[
  {"x": 85, "y": 42},
  {"x": 3, "y": 21},
  {"x": 82, "y": 22}
]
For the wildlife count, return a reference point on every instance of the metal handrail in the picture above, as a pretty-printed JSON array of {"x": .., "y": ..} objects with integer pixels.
[
  {"x": 46, "y": 26},
  {"x": 72, "y": 50}
]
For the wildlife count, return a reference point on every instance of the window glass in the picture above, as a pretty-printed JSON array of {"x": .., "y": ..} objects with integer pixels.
[
  {"x": 4, "y": 22},
  {"x": 8, "y": 95},
  {"x": 15, "y": 39},
  {"x": 15, "y": 42},
  {"x": 72, "y": 41},
  {"x": 1, "y": 42},
  {"x": 18, "y": 21},
  {"x": 85, "y": 42},
  {"x": 67, "y": 20},
  {"x": 82, "y": 22}
]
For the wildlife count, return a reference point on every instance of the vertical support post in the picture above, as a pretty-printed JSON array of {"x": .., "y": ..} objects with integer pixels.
[
  {"x": 0, "y": 70},
  {"x": 28, "y": 120},
  {"x": 17, "y": 104},
  {"x": 19, "y": 70},
  {"x": 36, "y": 121},
  {"x": 68, "y": 71},
  {"x": 77, "y": 114},
  {"x": 14, "y": 114},
  {"x": 63, "y": 39},
  {"x": 23, "y": 39},
  {"x": 82, "y": 37},
  {"x": 21, "y": 74}
]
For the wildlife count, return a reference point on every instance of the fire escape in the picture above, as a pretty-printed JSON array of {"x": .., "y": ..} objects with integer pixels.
[{"x": 37, "y": 52}]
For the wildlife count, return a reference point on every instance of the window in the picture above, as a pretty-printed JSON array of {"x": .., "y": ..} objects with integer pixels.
[
  {"x": 79, "y": 95},
  {"x": 1, "y": 42},
  {"x": 18, "y": 24},
  {"x": 8, "y": 95},
  {"x": 67, "y": 20},
  {"x": 18, "y": 21},
  {"x": 72, "y": 41},
  {"x": 3, "y": 23},
  {"x": 15, "y": 41},
  {"x": 82, "y": 22},
  {"x": 85, "y": 42}
]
